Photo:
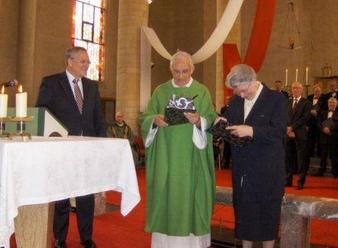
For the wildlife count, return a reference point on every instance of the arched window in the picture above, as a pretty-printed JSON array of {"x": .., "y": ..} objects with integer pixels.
[{"x": 88, "y": 32}]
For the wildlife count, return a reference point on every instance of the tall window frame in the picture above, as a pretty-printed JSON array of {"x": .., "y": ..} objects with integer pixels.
[{"x": 88, "y": 32}]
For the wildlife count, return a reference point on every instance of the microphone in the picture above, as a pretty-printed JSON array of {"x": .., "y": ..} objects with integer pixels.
[{"x": 10, "y": 83}]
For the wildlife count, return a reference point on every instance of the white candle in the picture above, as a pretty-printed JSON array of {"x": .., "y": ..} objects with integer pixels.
[
  {"x": 286, "y": 77},
  {"x": 21, "y": 103},
  {"x": 307, "y": 76},
  {"x": 296, "y": 75},
  {"x": 3, "y": 103}
]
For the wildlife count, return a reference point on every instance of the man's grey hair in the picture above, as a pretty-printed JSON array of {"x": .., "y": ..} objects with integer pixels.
[
  {"x": 240, "y": 74},
  {"x": 71, "y": 51},
  {"x": 186, "y": 55}
]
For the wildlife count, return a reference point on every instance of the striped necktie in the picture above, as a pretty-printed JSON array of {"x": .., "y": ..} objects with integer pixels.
[
  {"x": 295, "y": 102},
  {"x": 78, "y": 96}
]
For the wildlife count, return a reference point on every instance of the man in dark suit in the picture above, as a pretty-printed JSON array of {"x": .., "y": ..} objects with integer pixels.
[
  {"x": 297, "y": 133},
  {"x": 75, "y": 101},
  {"x": 328, "y": 123},
  {"x": 317, "y": 99},
  {"x": 279, "y": 87},
  {"x": 259, "y": 114},
  {"x": 333, "y": 92}
]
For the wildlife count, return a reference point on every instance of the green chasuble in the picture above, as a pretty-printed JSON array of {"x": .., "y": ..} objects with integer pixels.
[{"x": 180, "y": 177}]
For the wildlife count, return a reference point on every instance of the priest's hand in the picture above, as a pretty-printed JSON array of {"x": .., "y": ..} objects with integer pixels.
[
  {"x": 241, "y": 130},
  {"x": 193, "y": 118},
  {"x": 159, "y": 121}
]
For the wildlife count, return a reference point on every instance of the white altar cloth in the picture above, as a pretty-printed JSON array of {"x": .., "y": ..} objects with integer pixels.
[{"x": 44, "y": 170}]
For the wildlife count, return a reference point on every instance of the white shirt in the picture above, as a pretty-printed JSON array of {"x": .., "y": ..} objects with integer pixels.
[
  {"x": 70, "y": 81},
  {"x": 248, "y": 104}
]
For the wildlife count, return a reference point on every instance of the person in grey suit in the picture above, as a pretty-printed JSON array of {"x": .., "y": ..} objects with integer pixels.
[
  {"x": 259, "y": 114},
  {"x": 75, "y": 101}
]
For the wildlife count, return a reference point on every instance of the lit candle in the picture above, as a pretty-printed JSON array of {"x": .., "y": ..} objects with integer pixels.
[
  {"x": 296, "y": 75},
  {"x": 286, "y": 77},
  {"x": 307, "y": 76},
  {"x": 3, "y": 103},
  {"x": 21, "y": 103}
]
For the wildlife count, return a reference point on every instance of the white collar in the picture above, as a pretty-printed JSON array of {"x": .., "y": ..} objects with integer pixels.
[{"x": 186, "y": 85}]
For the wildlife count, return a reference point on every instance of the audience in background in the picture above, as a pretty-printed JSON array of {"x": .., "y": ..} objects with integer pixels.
[{"x": 328, "y": 123}]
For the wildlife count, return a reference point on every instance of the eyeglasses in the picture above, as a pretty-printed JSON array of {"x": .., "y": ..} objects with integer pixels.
[
  {"x": 81, "y": 62},
  {"x": 181, "y": 72}
]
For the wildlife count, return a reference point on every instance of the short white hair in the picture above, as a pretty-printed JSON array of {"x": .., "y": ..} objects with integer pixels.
[
  {"x": 185, "y": 55},
  {"x": 240, "y": 74}
]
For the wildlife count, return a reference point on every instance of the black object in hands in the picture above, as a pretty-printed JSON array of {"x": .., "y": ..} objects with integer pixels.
[
  {"x": 176, "y": 107},
  {"x": 219, "y": 130},
  {"x": 174, "y": 116}
]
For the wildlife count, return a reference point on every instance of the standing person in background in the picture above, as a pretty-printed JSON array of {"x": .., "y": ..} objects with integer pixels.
[
  {"x": 328, "y": 124},
  {"x": 258, "y": 113},
  {"x": 317, "y": 99},
  {"x": 179, "y": 160},
  {"x": 75, "y": 101},
  {"x": 297, "y": 134},
  {"x": 333, "y": 87},
  {"x": 278, "y": 86}
]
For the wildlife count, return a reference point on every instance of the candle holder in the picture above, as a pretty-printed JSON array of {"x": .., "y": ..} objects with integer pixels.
[
  {"x": 3, "y": 133},
  {"x": 21, "y": 127}
]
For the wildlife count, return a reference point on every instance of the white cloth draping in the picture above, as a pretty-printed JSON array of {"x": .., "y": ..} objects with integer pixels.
[
  {"x": 43, "y": 170},
  {"x": 159, "y": 240},
  {"x": 216, "y": 39}
]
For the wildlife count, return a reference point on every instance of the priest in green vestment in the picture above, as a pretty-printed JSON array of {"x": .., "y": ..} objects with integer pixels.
[{"x": 179, "y": 160}]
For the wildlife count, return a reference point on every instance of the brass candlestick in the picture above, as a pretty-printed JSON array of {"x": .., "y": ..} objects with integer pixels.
[
  {"x": 3, "y": 133},
  {"x": 21, "y": 127}
]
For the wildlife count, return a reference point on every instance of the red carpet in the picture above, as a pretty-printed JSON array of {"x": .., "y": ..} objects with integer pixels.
[{"x": 112, "y": 230}]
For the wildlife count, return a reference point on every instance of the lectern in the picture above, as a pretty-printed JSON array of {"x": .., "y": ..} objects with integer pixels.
[{"x": 43, "y": 123}]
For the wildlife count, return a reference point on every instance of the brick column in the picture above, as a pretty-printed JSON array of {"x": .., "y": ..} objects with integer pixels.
[{"x": 132, "y": 15}]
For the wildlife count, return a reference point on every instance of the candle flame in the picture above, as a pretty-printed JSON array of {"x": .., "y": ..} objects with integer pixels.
[
  {"x": 20, "y": 88},
  {"x": 3, "y": 90}
]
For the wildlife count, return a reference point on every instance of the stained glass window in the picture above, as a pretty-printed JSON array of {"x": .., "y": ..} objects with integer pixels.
[{"x": 88, "y": 32}]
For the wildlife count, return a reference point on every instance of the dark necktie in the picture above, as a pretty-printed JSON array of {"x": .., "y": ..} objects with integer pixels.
[
  {"x": 294, "y": 105},
  {"x": 78, "y": 96}
]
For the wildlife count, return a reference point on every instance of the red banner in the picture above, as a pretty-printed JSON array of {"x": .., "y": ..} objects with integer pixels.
[{"x": 259, "y": 41}]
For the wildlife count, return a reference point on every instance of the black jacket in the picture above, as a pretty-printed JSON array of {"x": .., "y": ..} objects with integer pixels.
[{"x": 56, "y": 95}]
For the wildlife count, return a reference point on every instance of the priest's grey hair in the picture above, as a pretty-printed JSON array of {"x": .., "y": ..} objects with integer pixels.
[
  {"x": 178, "y": 54},
  {"x": 240, "y": 74}
]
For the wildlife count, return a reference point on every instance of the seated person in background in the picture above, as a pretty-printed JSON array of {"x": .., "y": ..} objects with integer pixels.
[
  {"x": 226, "y": 149},
  {"x": 328, "y": 123},
  {"x": 120, "y": 129},
  {"x": 278, "y": 86}
]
